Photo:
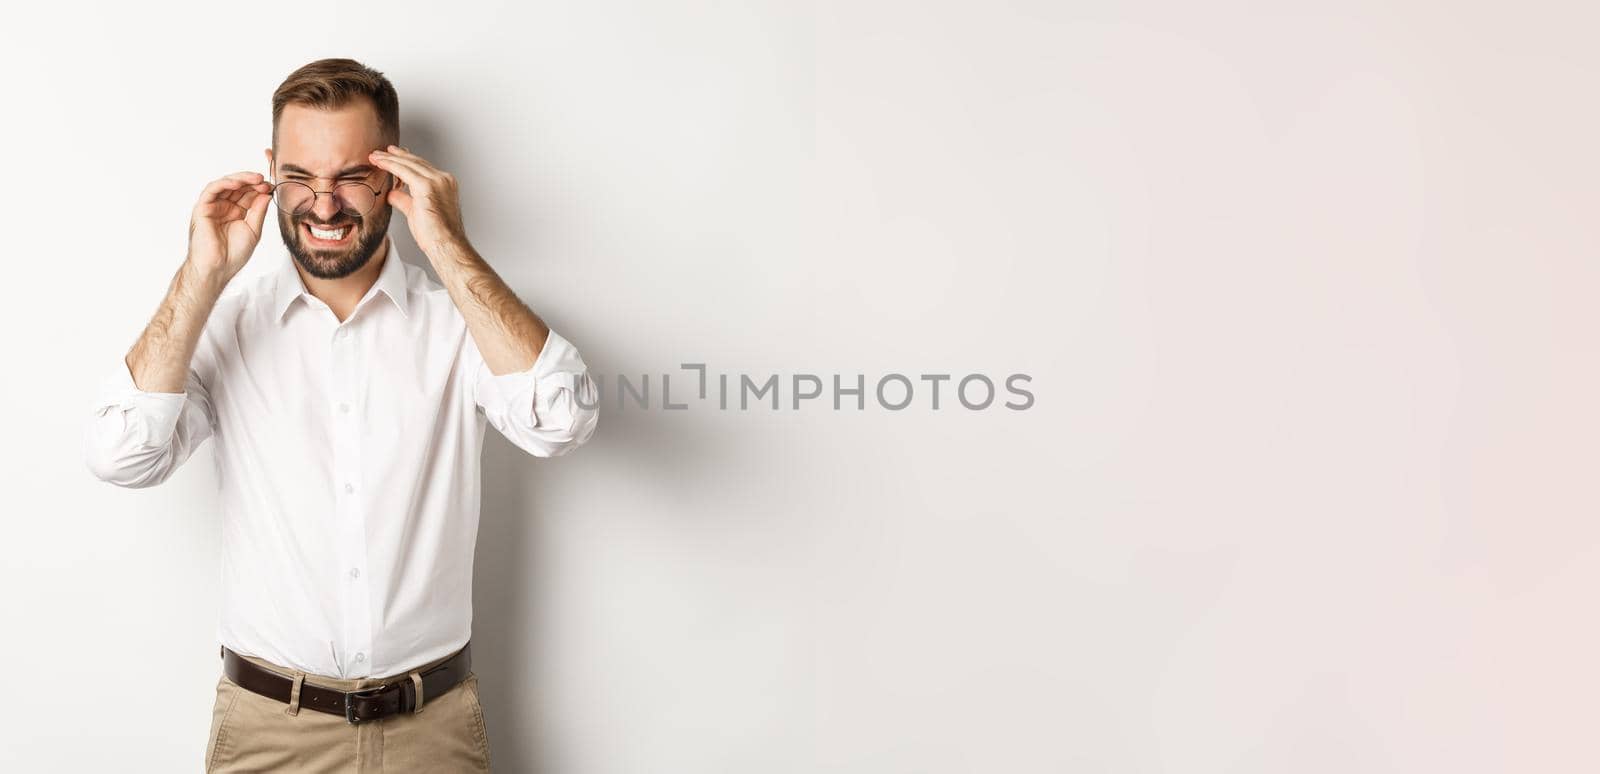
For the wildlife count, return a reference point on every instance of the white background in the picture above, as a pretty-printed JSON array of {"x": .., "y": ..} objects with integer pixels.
[{"x": 1306, "y": 295}]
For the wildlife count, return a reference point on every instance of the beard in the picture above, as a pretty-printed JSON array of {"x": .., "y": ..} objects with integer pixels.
[{"x": 333, "y": 264}]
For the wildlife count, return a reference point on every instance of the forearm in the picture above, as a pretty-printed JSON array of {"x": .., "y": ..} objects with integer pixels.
[
  {"x": 508, "y": 334},
  {"x": 159, "y": 360}
]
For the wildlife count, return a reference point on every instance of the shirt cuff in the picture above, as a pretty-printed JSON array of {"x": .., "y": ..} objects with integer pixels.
[
  {"x": 151, "y": 417},
  {"x": 541, "y": 396}
]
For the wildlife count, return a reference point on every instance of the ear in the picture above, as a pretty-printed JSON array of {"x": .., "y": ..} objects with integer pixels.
[{"x": 271, "y": 173}]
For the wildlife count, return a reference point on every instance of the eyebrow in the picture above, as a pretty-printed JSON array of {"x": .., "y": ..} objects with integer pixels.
[{"x": 360, "y": 170}]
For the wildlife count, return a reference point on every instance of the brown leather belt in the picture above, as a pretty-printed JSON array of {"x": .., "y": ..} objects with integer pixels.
[{"x": 391, "y": 698}]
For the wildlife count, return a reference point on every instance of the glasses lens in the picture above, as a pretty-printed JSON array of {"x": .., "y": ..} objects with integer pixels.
[
  {"x": 355, "y": 199},
  {"x": 293, "y": 198}
]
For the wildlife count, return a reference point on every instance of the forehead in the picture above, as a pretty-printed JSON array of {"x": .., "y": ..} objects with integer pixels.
[{"x": 324, "y": 140}]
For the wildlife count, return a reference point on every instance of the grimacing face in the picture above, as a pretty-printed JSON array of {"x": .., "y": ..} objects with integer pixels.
[{"x": 323, "y": 148}]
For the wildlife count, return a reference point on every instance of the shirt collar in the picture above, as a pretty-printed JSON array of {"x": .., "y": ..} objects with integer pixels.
[{"x": 391, "y": 282}]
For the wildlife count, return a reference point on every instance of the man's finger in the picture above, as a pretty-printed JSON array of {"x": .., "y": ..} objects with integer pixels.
[
  {"x": 400, "y": 152},
  {"x": 239, "y": 199},
  {"x": 417, "y": 161},
  {"x": 442, "y": 177},
  {"x": 257, "y": 214},
  {"x": 217, "y": 187},
  {"x": 244, "y": 192},
  {"x": 228, "y": 183},
  {"x": 248, "y": 196},
  {"x": 417, "y": 167},
  {"x": 225, "y": 198},
  {"x": 406, "y": 170},
  {"x": 235, "y": 195},
  {"x": 401, "y": 201}
]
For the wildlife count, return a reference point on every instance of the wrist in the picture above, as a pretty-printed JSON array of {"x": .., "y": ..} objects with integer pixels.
[
  {"x": 202, "y": 278},
  {"x": 449, "y": 252}
]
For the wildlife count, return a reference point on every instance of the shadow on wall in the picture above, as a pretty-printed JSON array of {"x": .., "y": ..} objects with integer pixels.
[
  {"x": 512, "y": 584},
  {"x": 670, "y": 455}
]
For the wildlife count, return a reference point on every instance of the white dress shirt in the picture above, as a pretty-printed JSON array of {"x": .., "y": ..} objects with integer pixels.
[{"x": 347, "y": 458}]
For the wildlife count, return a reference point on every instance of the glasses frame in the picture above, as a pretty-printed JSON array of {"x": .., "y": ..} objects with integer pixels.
[{"x": 377, "y": 193}]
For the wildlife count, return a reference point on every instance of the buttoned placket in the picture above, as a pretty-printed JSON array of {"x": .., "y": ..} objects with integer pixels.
[{"x": 346, "y": 364}]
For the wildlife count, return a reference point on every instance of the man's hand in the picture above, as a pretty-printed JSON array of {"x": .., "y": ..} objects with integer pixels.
[
  {"x": 430, "y": 201},
  {"x": 226, "y": 224}
]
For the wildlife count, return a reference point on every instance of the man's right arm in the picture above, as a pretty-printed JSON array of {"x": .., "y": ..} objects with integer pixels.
[{"x": 154, "y": 408}]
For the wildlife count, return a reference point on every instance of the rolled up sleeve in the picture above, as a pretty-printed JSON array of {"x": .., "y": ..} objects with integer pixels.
[
  {"x": 547, "y": 410},
  {"x": 135, "y": 438}
]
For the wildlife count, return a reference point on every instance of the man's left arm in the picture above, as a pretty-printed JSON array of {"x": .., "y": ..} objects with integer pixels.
[{"x": 528, "y": 392}]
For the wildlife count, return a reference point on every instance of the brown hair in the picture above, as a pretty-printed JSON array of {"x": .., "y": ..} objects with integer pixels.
[{"x": 332, "y": 83}]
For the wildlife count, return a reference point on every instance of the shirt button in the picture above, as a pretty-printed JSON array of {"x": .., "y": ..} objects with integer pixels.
[
  {"x": 344, "y": 408},
  {"x": 360, "y": 657},
  {"x": 348, "y": 488},
  {"x": 355, "y": 572}
]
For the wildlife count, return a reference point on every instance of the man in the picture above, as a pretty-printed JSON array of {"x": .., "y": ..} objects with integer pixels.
[{"x": 347, "y": 393}]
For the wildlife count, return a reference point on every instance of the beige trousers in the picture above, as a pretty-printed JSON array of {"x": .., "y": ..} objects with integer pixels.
[{"x": 252, "y": 733}]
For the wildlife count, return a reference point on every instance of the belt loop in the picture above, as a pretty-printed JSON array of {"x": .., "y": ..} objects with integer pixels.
[
  {"x": 294, "y": 694},
  {"x": 416, "y": 679}
]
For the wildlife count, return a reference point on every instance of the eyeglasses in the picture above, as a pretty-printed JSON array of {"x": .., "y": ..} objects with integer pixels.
[{"x": 354, "y": 199}]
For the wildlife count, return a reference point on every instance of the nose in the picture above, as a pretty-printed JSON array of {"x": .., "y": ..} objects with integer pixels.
[{"x": 326, "y": 208}]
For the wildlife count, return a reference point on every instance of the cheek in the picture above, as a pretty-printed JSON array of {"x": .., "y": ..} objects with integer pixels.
[{"x": 376, "y": 220}]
